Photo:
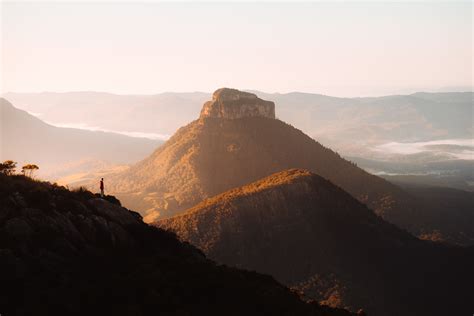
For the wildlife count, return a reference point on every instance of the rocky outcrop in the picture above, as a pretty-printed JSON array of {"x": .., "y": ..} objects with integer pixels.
[{"x": 234, "y": 104}]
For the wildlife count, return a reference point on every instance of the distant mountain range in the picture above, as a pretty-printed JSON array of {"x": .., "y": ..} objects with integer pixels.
[
  {"x": 310, "y": 234},
  {"x": 153, "y": 115},
  {"x": 398, "y": 129},
  {"x": 62, "y": 151},
  {"x": 353, "y": 126}
]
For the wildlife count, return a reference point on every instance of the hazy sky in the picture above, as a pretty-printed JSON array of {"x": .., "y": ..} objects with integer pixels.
[{"x": 344, "y": 49}]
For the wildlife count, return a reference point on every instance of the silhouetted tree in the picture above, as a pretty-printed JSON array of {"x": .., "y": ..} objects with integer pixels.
[
  {"x": 29, "y": 169},
  {"x": 8, "y": 167}
]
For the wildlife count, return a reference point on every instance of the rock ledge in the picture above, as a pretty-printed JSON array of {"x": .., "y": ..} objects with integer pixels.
[{"x": 234, "y": 104}]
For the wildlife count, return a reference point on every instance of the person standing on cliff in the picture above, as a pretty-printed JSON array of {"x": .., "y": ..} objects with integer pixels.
[{"x": 102, "y": 187}]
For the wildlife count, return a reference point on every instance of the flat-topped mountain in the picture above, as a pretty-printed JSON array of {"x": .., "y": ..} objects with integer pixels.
[
  {"x": 310, "y": 234},
  {"x": 234, "y": 104},
  {"x": 72, "y": 253},
  {"x": 214, "y": 154}
]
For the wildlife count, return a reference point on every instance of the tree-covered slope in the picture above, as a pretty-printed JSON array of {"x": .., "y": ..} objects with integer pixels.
[{"x": 310, "y": 234}]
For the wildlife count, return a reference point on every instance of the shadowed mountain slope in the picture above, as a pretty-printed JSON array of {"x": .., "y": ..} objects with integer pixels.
[
  {"x": 310, "y": 234},
  {"x": 160, "y": 114},
  {"x": 71, "y": 253},
  {"x": 451, "y": 215},
  {"x": 25, "y": 138}
]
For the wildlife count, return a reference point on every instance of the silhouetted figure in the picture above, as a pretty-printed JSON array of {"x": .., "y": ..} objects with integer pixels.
[{"x": 102, "y": 187}]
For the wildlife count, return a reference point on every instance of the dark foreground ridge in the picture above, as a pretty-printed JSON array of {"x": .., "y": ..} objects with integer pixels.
[{"x": 72, "y": 253}]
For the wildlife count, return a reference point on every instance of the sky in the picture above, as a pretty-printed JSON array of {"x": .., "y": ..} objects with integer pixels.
[{"x": 334, "y": 48}]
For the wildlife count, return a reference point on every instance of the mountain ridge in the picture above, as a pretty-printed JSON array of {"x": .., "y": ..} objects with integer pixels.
[
  {"x": 26, "y": 138},
  {"x": 317, "y": 115},
  {"x": 310, "y": 234}
]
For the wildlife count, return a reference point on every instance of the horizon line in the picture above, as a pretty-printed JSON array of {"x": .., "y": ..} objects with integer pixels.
[{"x": 445, "y": 90}]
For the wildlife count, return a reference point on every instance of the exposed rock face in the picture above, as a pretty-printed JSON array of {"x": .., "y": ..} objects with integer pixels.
[
  {"x": 308, "y": 233},
  {"x": 71, "y": 253},
  {"x": 234, "y": 104}
]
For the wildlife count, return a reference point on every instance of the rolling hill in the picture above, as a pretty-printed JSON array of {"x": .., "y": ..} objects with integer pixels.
[
  {"x": 310, "y": 234},
  {"x": 64, "y": 151}
]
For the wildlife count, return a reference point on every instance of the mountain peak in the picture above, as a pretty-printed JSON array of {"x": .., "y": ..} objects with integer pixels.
[
  {"x": 311, "y": 235},
  {"x": 234, "y": 104},
  {"x": 282, "y": 178}
]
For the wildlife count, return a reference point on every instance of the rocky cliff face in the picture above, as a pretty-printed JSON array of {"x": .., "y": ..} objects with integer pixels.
[
  {"x": 308, "y": 233},
  {"x": 72, "y": 253},
  {"x": 234, "y": 104}
]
